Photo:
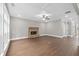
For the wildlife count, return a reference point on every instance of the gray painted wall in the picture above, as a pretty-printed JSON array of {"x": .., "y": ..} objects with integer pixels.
[
  {"x": 55, "y": 28},
  {"x": 19, "y": 27}
]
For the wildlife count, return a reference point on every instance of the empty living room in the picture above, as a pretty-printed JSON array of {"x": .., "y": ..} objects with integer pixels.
[{"x": 39, "y": 29}]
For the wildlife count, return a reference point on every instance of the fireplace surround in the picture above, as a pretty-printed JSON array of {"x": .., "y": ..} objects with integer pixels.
[{"x": 33, "y": 32}]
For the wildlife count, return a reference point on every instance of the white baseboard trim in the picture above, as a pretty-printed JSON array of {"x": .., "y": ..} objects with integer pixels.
[
  {"x": 52, "y": 35},
  {"x": 56, "y": 36},
  {"x": 68, "y": 35},
  {"x": 5, "y": 48},
  {"x": 43, "y": 34},
  {"x": 18, "y": 38}
]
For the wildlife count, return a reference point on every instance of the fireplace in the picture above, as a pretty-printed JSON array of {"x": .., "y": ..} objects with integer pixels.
[{"x": 33, "y": 32}]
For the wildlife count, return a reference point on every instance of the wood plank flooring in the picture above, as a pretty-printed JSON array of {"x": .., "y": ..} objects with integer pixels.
[{"x": 44, "y": 46}]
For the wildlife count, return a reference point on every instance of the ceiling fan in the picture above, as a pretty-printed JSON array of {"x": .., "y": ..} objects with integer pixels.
[{"x": 44, "y": 16}]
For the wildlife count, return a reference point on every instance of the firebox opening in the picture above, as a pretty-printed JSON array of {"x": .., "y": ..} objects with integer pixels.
[{"x": 33, "y": 32}]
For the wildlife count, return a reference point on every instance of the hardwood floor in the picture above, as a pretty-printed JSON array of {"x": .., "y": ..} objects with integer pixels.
[{"x": 44, "y": 46}]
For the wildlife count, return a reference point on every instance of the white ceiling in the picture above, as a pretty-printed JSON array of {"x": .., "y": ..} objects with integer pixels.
[
  {"x": 78, "y": 5},
  {"x": 30, "y": 10}
]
